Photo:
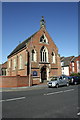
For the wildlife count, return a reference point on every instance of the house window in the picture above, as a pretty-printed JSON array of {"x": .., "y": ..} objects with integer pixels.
[
  {"x": 72, "y": 64},
  {"x": 44, "y": 54},
  {"x": 3, "y": 72},
  {"x": 72, "y": 67},
  {"x": 33, "y": 58},
  {"x": 62, "y": 63},
  {"x": 20, "y": 62},
  {"x": 63, "y": 73},
  {"x": 78, "y": 66},
  {"x": 53, "y": 58},
  {"x": 43, "y": 39}
]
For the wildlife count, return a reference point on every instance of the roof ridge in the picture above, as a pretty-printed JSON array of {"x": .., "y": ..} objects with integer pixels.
[{"x": 69, "y": 56}]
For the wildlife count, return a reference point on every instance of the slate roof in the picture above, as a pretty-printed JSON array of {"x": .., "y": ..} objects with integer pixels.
[
  {"x": 66, "y": 60},
  {"x": 4, "y": 65},
  {"x": 21, "y": 45}
]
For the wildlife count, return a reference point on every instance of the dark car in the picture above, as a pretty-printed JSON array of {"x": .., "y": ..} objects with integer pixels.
[{"x": 74, "y": 80}]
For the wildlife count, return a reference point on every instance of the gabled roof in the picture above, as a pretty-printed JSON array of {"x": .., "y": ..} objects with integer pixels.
[
  {"x": 21, "y": 45},
  {"x": 67, "y": 60},
  {"x": 76, "y": 58},
  {"x": 61, "y": 58},
  {"x": 73, "y": 59},
  {"x": 4, "y": 65}
]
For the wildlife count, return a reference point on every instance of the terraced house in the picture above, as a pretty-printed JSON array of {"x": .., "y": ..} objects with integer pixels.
[
  {"x": 36, "y": 56},
  {"x": 75, "y": 65},
  {"x": 70, "y": 65}
]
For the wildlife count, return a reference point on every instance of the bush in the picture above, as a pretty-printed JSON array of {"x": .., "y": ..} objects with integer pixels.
[{"x": 75, "y": 74}]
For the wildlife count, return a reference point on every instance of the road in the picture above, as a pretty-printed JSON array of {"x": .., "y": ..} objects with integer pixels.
[{"x": 47, "y": 102}]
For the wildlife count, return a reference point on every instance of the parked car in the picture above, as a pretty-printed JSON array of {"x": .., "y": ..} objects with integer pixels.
[
  {"x": 58, "y": 81},
  {"x": 74, "y": 80}
]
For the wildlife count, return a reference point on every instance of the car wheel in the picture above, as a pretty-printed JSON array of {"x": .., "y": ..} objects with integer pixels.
[
  {"x": 67, "y": 84},
  {"x": 75, "y": 83},
  {"x": 57, "y": 85}
]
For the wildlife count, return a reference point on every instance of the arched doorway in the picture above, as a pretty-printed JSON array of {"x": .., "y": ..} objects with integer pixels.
[{"x": 43, "y": 74}]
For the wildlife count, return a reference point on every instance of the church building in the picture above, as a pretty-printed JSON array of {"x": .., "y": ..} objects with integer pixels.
[{"x": 37, "y": 56}]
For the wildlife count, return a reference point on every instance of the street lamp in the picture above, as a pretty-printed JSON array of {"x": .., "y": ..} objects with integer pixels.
[{"x": 30, "y": 63}]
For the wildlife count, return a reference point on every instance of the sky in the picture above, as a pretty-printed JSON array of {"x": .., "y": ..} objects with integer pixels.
[
  {"x": 0, "y": 32},
  {"x": 22, "y": 19}
]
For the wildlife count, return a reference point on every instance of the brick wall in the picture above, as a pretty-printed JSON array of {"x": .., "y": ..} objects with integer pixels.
[
  {"x": 14, "y": 81},
  {"x": 36, "y": 80}
]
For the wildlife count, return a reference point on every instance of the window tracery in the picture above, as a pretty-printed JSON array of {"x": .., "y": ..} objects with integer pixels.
[
  {"x": 43, "y": 39},
  {"x": 44, "y": 54}
]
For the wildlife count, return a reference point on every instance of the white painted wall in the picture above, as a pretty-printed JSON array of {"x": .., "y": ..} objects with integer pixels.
[{"x": 65, "y": 70}]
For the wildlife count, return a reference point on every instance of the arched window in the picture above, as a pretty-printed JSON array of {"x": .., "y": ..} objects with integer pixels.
[
  {"x": 44, "y": 54},
  {"x": 43, "y": 39},
  {"x": 14, "y": 64},
  {"x": 33, "y": 58},
  {"x": 53, "y": 58},
  {"x": 20, "y": 62},
  {"x": 9, "y": 63}
]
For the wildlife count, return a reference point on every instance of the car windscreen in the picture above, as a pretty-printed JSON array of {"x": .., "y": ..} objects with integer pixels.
[{"x": 54, "y": 78}]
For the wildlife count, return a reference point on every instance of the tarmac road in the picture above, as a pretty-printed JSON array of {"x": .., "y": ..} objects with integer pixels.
[{"x": 46, "y": 102}]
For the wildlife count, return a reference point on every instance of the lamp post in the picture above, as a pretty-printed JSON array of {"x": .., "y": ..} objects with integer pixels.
[{"x": 30, "y": 63}]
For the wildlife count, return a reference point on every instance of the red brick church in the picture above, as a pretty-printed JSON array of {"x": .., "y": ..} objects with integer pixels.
[{"x": 37, "y": 56}]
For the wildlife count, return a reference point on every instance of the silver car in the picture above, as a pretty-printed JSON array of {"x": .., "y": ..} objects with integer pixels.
[{"x": 58, "y": 81}]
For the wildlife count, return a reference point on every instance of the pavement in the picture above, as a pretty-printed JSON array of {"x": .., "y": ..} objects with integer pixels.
[{"x": 40, "y": 86}]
